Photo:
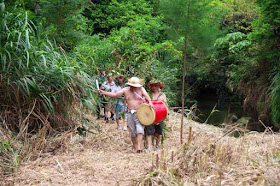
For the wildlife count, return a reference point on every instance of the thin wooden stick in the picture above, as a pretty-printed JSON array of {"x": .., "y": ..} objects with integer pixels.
[
  {"x": 190, "y": 134},
  {"x": 266, "y": 128},
  {"x": 157, "y": 161}
]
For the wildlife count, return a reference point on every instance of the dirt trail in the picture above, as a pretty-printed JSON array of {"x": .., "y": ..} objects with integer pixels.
[{"x": 99, "y": 159}]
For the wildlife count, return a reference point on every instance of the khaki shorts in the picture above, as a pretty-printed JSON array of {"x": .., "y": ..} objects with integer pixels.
[
  {"x": 108, "y": 106},
  {"x": 134, "y": 124}
]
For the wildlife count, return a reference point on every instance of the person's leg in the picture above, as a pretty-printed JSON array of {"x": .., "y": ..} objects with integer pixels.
[
  {"x": 112, "y": 112},
  {"x": 102, "y": 109},
  {"x": 134, "y": 143},
  {"x": 118, "y": 118},
  {"x": 139, "y": 142},
  {"x": 149, "y": 142},
  {"x": 158, "y": 138},
  {"x": 98, "y": 109},
  {"x": 124, "y": 124},
  {"x": 107, "y": 112},
  {"x": 158, "y": 134},
  {"x": 112, "y": 115},
  {"x": 132, "y": 130},
  {"x": 129, "y": 131},
  {"x": 118, "y": 124},
  {"x": 139, "y": 132},
  {"x": 125, "y": 120},
  {"x": 150, "y": 131}
]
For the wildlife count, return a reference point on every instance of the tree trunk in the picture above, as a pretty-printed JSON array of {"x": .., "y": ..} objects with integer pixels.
[
  {"x": 183, "y": 79},
  {"x": 183, "y": 87}
]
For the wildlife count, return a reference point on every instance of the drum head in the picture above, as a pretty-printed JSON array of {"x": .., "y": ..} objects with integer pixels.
[{"x": 146, "y": 115}]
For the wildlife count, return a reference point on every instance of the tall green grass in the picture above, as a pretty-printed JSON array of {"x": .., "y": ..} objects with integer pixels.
[
  {"x": 40, "y": 85},
  {"x": 275, "y": 99}
]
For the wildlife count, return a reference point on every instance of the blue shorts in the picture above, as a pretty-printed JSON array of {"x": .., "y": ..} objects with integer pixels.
[{"x": 119, "y": 109}]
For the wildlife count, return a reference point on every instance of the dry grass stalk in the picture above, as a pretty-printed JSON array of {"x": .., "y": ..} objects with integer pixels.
[
  {"x": 28, "y": 130},
  {"x": 253, "y": 159}
]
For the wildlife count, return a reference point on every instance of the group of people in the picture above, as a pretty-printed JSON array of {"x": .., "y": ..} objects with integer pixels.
[
  {"x": 109, "y": 105},
  {"x": 133, "y": 95}
]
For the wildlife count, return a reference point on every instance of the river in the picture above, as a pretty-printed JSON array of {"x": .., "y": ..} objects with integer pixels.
[{"x": 205, "y": 106}]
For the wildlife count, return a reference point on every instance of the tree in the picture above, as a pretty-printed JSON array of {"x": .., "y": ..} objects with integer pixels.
[
  {"x": 189, "y": 19},
  {"x": 63, "y": 20},
  {"x": 112, "y": 15}
]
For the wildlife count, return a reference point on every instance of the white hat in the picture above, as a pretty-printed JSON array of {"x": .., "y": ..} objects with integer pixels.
[{"x": 135, "y": 82}]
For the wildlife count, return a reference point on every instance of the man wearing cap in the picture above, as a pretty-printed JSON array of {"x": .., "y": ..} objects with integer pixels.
[
  {"x": 109, "y": 85},
  {"x": 135, "y": 95}
]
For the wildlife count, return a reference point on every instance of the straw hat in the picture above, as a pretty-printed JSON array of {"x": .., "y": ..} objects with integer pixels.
[
  {"x": 135, "y": 82},
  {"x": 109, "y": 75}
]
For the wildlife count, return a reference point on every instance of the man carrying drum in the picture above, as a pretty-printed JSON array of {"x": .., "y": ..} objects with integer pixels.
[
  {"x": 135, "y": 95},
  {"x": 156, "y": 129}
]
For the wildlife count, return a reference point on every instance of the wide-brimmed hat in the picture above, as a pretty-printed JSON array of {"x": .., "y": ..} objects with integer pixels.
[{"x": 135, "y": 82}]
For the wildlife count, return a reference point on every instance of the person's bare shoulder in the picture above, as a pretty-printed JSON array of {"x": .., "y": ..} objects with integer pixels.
[
  {"x": 126, "y": 90},
  {"x": 143, "y": 89}
]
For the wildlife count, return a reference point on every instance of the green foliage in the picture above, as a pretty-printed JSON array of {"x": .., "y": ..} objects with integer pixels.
[
  {"x": 51, "y": 49},
  {"x": 238, "y": 15},
  {"x": 94, "y": 53},
  {"x": 267, "y": 26},
  {"x": 9, "y": 157},
  {"x": 196, "y": 18},
  {"x": 231, "y": 44},
  {"x": 231, "y": 54},
  {"x": 63, "y": 20},
  {"x": 112, "y": 14},
  {"x": 198, "y": 22},
  {"x": 36, "y": 67}
]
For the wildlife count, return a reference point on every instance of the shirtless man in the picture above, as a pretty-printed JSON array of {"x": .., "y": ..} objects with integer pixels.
[{"x": 135, "y": 95}]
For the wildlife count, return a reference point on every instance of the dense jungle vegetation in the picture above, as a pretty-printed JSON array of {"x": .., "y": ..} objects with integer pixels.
[{"x": 51, "y": 52}]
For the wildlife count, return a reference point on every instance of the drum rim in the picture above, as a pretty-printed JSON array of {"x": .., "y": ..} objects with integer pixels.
[{"x": 154, "y": 114}]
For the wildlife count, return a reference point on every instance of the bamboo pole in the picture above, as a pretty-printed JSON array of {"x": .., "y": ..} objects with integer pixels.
[
  {"x": 183, "y": 79},
  {"x": 183, "y": 88}
]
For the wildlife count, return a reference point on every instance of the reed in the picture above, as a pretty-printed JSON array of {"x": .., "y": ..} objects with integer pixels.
[{"x": 41, "y": 88}]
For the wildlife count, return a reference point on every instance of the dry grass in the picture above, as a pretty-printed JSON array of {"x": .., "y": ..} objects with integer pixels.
[
  {"x": 106, "y": 158},
  {"x": 208, "y": 159}
]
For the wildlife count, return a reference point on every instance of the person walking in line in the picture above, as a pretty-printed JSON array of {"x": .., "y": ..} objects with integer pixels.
[
  {"x": 135, "y": 95},
  {"x": 100, "y": 106},
  {"x": 120, "y": 103},
  {"x": 109, "y": 85},
  {"x": 156, "y": 129}
]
